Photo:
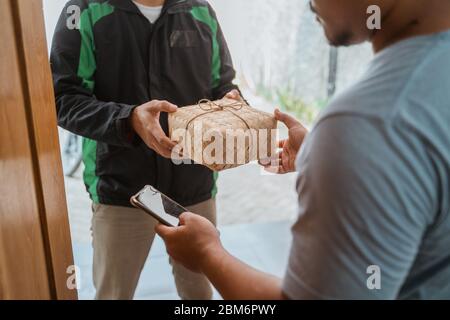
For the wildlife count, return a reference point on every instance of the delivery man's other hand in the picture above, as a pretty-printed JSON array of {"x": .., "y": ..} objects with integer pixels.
[
  {"x": 285, "y": 160},
  {"x": 192, "y": 242},
  {"x": 234, "y": 95},
  {"x": 145, "y": 122}
]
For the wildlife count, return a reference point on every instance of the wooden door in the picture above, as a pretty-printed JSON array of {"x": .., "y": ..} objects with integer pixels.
[{"x": 35, "y": 247}]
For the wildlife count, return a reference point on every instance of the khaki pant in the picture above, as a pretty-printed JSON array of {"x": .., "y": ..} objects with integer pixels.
[{"x": 122, "y": 238}]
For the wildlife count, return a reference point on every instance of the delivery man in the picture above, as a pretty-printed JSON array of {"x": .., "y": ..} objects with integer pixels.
[{"x": 113, "y": 75}]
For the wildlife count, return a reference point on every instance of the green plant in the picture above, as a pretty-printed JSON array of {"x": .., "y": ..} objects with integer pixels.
[
  {"x": 290, "y": 102},
  {"x": 264, "y": 92}
]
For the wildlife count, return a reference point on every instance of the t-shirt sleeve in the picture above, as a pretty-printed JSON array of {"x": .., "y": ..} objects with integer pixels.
[{"x": 358, "y": 229}]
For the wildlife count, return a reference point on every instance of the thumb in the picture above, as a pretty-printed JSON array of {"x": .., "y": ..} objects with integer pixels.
[
  {"x": 184, "y": 218},
  {"x": 165, "y": 106},
  {"x": 233, "y": 94},
  {"x": 289, "y": 121},
  {"x": 164, "y": 231}
]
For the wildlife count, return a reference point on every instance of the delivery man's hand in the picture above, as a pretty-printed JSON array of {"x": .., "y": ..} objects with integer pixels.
[
  {"x": 234, "y": 95},
  {"x": 285, "y": 161},
  {"x": 191, "y": 243},
  {"x": 145, "y": 122}
]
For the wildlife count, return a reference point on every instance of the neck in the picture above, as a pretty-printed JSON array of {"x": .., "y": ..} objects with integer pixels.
[
  {"x": 406, "y": 19},
  {"x": 151, "y": 3}
]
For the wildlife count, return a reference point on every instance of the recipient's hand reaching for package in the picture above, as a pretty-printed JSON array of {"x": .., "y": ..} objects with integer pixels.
[
  {"x": 192, "y": 242},
  {"x": 145, "y": 122},
  {"x": 285, "y": 160}
]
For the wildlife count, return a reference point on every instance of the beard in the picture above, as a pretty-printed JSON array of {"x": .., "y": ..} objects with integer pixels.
[
  {"x": 343, "y": 39},
  {"x": 338, "y": 39}
]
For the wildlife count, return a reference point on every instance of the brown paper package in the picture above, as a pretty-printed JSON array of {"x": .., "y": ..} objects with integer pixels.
[{"x": 223, "y": 134}]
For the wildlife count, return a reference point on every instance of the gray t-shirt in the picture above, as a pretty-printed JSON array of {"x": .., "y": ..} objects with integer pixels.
[{"x": 373, "y": 184}]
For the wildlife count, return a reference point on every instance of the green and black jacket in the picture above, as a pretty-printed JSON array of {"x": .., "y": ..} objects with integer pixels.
[{"x": 117, "y": 60}]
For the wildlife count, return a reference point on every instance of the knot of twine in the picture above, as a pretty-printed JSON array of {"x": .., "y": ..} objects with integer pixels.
[{"x": 211, "y": 107}]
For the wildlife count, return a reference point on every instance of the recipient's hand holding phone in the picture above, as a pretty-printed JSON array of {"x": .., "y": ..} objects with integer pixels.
[
  {"x": 193, "y": 242},
  {"x": 189, "y": 238}
]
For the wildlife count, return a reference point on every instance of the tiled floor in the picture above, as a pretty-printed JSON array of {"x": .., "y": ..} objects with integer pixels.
[{"x": 264, "y": 246}]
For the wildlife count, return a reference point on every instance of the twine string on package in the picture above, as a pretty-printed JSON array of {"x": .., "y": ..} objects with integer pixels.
[{"x": 211, "y": 106}]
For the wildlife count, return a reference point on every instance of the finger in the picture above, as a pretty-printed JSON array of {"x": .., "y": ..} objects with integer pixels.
[
  {"x": 281, "y": 143},
  {"x": 285, "y": 159},
  {"x": 165, "y": 153},
  {"x": 177, "y": 152},
  {"x": 273, "y": 169},
  {"x": 154, "y": 145},
  {"x": 162, "y": 139},
  {"x": 281, "y": 170},
  {"x": 265, "y": 162},
  {"x": 273, "y": 163},
  {"x": 289, "y": 121},
  {"x": 292, "y": 165},
  {"x": 276, "y": 165}
]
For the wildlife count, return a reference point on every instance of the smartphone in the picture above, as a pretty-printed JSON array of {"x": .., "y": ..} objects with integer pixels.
[{"x": 158, "y": 205}]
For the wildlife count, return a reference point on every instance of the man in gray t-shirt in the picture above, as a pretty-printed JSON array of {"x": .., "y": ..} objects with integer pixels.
[
  {"x": 374, "y": 173},
  {"x": 374, "y": 183}
]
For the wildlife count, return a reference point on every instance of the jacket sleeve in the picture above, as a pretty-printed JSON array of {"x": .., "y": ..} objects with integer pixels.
[
  {"x": 225, "y": 74},
  {"x": 73, "y": 67}
]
